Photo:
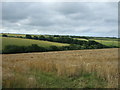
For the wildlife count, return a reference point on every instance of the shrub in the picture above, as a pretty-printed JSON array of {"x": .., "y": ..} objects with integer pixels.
[
  {"x": 28, "y": 36},
  {"x": 35, "y": 37},
  {"x": 54, "y": 48},
  {"x": 4, "y": 35},
  {"x": 23, "y": 49},
  {"x": 13, "y": 49},
  {"x": 35, "y": 48},
  {"x": 42, "y": 37}
]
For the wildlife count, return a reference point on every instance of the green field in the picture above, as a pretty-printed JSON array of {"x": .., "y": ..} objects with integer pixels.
[
  {"x": 18, "y": 41},
  {"x": 81, "y": 39},
  {"x": 23, "y": 35},
  {"x": 104, "y": 41},
  {"x": 109, "y": 42},
  {"x": 27, "y": 42}
]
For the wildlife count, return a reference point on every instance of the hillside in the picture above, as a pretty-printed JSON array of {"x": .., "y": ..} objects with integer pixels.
[
  {"x": 21, "y": 43},
  {"x": 27, "y": 42},
  {"x": 104, "y": 41}
]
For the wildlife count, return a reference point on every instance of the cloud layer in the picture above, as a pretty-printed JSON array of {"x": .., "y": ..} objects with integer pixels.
[{"x": 71, "y": 18}]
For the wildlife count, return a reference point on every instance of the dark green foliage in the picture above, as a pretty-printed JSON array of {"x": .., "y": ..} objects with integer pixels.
[
  {"x": 79, "y": 44},
  {"x": 28, "y": 36},
  {"x": 4, "y": 35},
  {"x": 56, "y": 35},
  {"x": 35, "y": 37},
  {"x": 54, "y": 48},
  {"x": 50, "y": 38},
  {"x": 23, "y": 49},
  {"x": 19, "y": 37},
  {"x": 42, "y": 37},
  {"x": 34, "y": 48},
  {"x": 13, "y": 49}
]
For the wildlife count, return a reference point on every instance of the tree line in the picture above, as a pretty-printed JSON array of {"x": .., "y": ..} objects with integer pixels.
[
  {"x": 69, "y": 40},
  {"x": 35, "y": 48},
  {"x": 64, "y": 39}
]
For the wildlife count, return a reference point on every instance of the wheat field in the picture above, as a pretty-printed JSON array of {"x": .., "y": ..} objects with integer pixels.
[{"x": 104, "y": 62}]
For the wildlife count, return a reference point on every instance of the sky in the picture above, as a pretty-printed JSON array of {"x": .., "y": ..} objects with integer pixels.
[{"x": 98, "y": 19}]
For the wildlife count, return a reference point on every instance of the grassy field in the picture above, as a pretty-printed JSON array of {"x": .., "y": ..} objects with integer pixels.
[
  {"x": 102, "y": 40},
  {"x": 105, "y": 41},
  {"x": 109, "y": 42},
  {"x": 8, "y": 34},
  {"x": 23, "y": 35},
  {"x": 96, "y": 68},
  {"x": 81, "y": 39},
  {"x": 27, "y": 42}
]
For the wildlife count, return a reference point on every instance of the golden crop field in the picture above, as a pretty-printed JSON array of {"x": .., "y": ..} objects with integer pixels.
[{"x": 20, "y": 70}]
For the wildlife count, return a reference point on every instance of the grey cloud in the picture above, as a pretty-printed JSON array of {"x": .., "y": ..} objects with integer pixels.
[{"x": 61, "y": 18}]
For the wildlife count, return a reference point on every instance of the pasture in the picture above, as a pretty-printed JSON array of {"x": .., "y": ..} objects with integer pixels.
[
  {"x": 104, "y": 41},
  {"x": 97, "y": 68},
  {"x": 10, "y": 34},
  {"x": 26, "y": 42},
  {"x": 109, "y": 42},
  {"x": 80, "y": 39}
]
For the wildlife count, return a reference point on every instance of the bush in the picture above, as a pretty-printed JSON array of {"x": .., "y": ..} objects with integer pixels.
[
  {"x": 28, "y": 36},
  {"x": 35, "y": 37},
  {"x": 42, "y": 37},
  {"x": 13, "y": 49},
  {"x": 54, "y": 48},
  {"x": 23, "y": 49},
  {"x": 35, "y": 48},
  {"x": 4, "y": 35}
]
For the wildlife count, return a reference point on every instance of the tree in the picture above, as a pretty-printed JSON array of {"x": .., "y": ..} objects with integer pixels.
[
  {"x": 4, "y": 35},
  {"x": 42, "y": 37},
  {"x": 54, "y": 48},
  {"x": 50, "y": 38},
  {"x": 35, "y": 37},
  {"x": 13, "y": 49},
  {"x": 56, "y": 35},
  {"x": 35, "y": 48},
  {"x": 28, "y": 36}
]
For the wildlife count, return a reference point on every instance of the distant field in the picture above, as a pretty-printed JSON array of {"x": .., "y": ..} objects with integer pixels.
[
  {"x": 27, "y": 42},
  {"x": 104, "y": 41},
  {"x": 109, "y": 42},
  {"x": 97, "y": 68},
  {"x": 80, "y": 39},
  {"x": 23, "y": 35}
]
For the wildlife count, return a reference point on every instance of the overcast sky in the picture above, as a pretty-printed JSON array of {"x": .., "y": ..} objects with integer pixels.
[{"x": 65, "y": 18}]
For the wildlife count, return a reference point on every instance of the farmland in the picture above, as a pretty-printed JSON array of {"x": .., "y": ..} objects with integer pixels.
[
  {"x": 104, "y": 41},
  {"x": 95, "y": 68},
  {"x": 109, "y": 42},
  {"x": 81, "y": 39},
  {"x": 26, "y": 42},
  {"x": 77, "y": 68}
]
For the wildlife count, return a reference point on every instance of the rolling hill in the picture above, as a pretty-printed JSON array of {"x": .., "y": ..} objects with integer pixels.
[
  {"x": 27, "y": 42},
  {"x": 104, "y": 41}
]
